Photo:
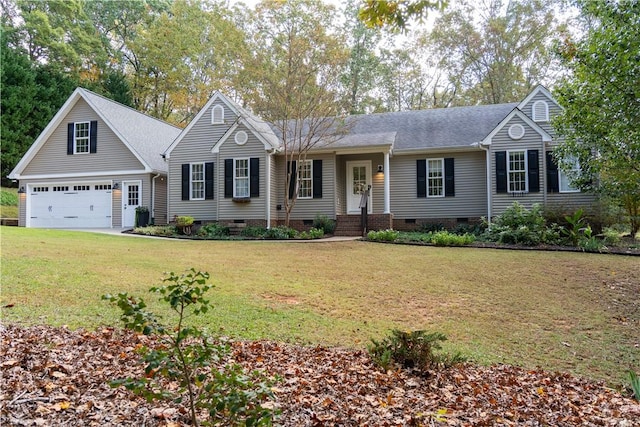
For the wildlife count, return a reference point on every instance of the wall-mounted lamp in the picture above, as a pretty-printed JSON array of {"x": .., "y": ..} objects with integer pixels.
[
  {"x": 116, "y": 186},
  {"x": 21, "y": 190},
  {"x": 380, "y": 169}
]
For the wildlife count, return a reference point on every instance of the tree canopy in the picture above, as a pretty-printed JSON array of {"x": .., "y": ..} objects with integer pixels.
[{"x": 601, "y": 100}]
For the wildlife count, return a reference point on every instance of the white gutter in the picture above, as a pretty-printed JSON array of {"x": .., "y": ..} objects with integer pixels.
[
  {"x": 387, "y": 191},
  {"x": 153, "y": 198}
]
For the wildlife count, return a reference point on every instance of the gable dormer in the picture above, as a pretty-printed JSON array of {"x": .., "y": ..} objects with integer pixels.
[{"x": 541, "y": 107}]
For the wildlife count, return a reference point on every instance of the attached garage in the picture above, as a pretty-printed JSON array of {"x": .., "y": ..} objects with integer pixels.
[{"x": 69, "y": 205}]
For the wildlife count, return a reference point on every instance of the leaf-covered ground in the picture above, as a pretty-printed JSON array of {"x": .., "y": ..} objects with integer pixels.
[{"x": 55, "y": 376}]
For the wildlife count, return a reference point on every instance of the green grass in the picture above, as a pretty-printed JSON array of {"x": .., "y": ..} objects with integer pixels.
[
  {"x": 8, "y": 202},
  {"x": 559, "y": 311}
]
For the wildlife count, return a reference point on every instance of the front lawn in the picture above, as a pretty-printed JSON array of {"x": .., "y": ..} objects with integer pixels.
[{"x": 561, "y": 311}]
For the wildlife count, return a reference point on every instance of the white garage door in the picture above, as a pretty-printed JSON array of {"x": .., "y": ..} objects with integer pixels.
[{"x": 74, "y": 205}]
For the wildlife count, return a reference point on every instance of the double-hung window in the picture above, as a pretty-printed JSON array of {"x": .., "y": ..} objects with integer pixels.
[
  {"x": 517, "y": 171},
  {"x": 197, "y": 181},
  {"x": 305, "y": 179},
  {"x": 564, "y": 178},
  {"x": 241, "y": 178},
  {"x": 435, "y": 177},
  {"x": 81, "y": 138}
]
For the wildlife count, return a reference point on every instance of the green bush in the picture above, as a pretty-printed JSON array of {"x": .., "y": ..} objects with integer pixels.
[
  {"x": 228, "y": 394},
  {"x": 414, "y": 236},
  {"x": 475, "y": 229},
  {"x": 280, "y": 232},
  {"x": 8, "y": 198},
  {"x": 184, "y": 221},
  {"x": 611, "y": 237},
  {"x": 519, "y": 225},
  {"x": 383, "y": 235},
  {"x": 254, "y": 231},
  {"x": 444, "y": 238},
  {"x": 213, "y": 230},
  {"x": 314, "y": 233},
  {"x": 324, "y": 223},
  {"x": 429, "y": 227},
  {"x": 412, "y": 350}
]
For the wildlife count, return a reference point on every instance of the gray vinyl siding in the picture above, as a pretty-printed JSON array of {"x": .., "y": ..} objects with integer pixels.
[
  {"x": 309, "y": 208},
  {"x": 554, "y": 109},
  {"x": 160, "y": 202},
  {"x": 470, "y": 198},
  {"x": 228, "y": 209},
  {"x": 503, "y": 142},
  {"x": 196, "y": 147},
  {"x": 570, "y": 202},
  {"x": 111, "y": 155}
]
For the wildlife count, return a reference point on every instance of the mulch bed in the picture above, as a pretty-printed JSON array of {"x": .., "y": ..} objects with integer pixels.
[{"x": 55, "y": 376}]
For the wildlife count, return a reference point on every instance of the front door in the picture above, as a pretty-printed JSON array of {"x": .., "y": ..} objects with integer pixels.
[
  {"x": 131, "y": 197},
  {"x": 358, "y": 180}
]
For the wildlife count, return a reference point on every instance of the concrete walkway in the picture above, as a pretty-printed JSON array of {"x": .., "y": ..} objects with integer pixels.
[{"x": 119, "y": 232}]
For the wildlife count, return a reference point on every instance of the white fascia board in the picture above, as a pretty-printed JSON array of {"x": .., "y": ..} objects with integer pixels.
[
  {"x": 534, "y": 92},
  {"x": 216, "y": 95},
  {"x": 434, "y": 150},
  {"x": 516, "y": 112},
  {"x": 45, "y": 134},
  {"x": 85, "y": 174}
]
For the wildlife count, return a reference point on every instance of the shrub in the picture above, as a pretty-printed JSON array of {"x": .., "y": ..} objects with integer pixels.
[
  {"x": 213, "y": 229},
  {"x": 611, "y": 237},
  {"x": 8, "y": 198},
  {"x": 324, "y": 223},
  {"x": 383, "y": 235},
  {"x": 428, "y": 227},
  {"x": 412, "y": 350},
  {"x": 184, "y": 221},
  {"x": 253, "y": 231},
  {"x": 229, "y": 395},
  {"x": 475, "y": 229},
  {"x": 444, "y": 238},
  {"x": 280, "y": 232},
  {"x": 314, "y": 233},
  {"x": 521, "y": 226}
]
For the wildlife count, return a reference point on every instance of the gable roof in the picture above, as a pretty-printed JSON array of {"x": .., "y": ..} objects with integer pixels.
[
  {"x": 143, "y": 135},
  {"x": 537, "y": 90},
  {"x": 517, "y": 113},
  {"x": 259, "y": 127},
  {"x": 456, "y": 127}
]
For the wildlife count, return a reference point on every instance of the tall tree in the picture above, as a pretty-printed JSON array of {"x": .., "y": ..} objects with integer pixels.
[
  {"x": 600, "y": 122},
  {"x": 397, "y": 14},
  {"x": 496, "y": 53},
  {"x": 293, "y": 78}
]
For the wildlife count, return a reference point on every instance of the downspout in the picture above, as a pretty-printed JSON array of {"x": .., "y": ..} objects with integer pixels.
[
  {"x": 387, "y": 191},
  {"x": 488, "y": 172},
  {"x": 153, "y": 199},
  {"x": 268, "y": 178}
]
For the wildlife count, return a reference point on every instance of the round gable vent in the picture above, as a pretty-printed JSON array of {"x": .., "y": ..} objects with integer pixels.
[
  {"x": 516, "y": 131},
  {"x": 241, "y": 138}
]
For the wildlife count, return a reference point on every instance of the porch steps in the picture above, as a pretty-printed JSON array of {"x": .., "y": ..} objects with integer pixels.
[{"x": 348, "y": 225}]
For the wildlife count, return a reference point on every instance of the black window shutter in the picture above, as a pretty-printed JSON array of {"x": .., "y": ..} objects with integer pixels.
[
  {"x": 553, "y": 183},
  {"x": 93, "y": 136},
  {"x": 449, "y": 183},
  {"x": 254, "y": 177},
  {"x": 534, "y": 171},
  {"x": 186, "y": 172},
  {"x": 208, "y": 181},
  {"x": 317, "y": 179},
  {"x": 70, "y": 130},
  {"x": 292, "y": 167},
  {"x": 228, "y": 178},
  {"x": 421, "y": 173},
  {"x": 501, "y": 171}
]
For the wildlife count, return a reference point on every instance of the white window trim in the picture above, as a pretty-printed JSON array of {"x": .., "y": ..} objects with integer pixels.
[
  {"x": 219, "y": 108},
  {"x": 526, "y": 172},
  {"x": 545, "y": 117},
  {"x": 441, "y": 160},
  {"x": 235, "y": 177},
  {"x": 310, "y": 179},
  {"x": 191, "y": 181},
  {"x": 75, "y": 138},
  {"x": 562, "y": 176}
]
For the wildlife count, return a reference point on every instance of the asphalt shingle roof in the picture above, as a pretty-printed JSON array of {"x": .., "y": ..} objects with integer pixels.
[{"x": 148, "y": 136}]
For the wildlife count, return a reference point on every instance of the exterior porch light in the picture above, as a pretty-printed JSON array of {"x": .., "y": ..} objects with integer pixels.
[
  {"x": 380, "y": 169},
  {"x": 21, "y": 190},
  {"x": 116, "y": 187}
]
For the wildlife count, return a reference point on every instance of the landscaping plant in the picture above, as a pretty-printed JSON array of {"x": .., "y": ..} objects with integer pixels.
[
  {"x": 519, "y": 225},
  {"x": 412, "y": 350},
  {"x": 383, "y": 235},
  {"x": 324, "y": 223},
  {"x": 186, "y": 355},
  {"x": 635, "y": 384}
]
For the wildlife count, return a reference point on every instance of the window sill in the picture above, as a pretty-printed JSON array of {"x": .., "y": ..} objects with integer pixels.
[{"x": 241, "y": 199}]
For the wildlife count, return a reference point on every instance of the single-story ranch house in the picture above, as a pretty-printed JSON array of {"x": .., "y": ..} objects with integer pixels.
[{"x": 97, "y": 161}]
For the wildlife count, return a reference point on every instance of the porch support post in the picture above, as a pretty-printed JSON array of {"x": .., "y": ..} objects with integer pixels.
[{"x": 387, "y": 192}]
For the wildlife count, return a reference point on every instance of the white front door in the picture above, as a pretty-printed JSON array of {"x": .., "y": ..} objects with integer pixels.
[
  {"x": 358, "y": 180},
  {"x": 131, "y": 198}
]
